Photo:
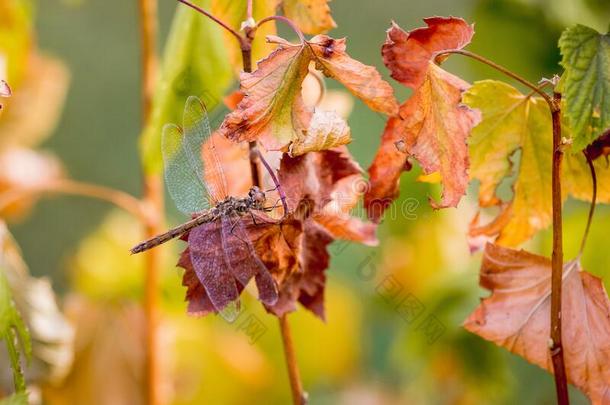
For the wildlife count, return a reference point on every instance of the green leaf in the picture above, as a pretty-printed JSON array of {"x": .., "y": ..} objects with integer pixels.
[
  {"x": 13, "y": 331},
  {"x": 195, "y": 62},
  {"x": 586, "y": 82}
]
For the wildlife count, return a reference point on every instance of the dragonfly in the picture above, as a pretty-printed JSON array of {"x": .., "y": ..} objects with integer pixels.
[{"x": 220, "y": 250}]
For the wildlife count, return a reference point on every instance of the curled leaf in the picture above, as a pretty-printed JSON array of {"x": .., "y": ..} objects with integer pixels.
[
  {"x": 326, "y": 131},
  {"x": 516, "y": 316}
]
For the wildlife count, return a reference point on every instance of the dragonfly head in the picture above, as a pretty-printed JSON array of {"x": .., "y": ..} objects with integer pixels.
[{"x": 257, "y": 197}]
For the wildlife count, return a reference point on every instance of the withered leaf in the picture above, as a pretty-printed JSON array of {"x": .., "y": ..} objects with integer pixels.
[
  {"x": 273, "y": 111},
  {"x": 311, "y": 16},
  {"x": 516, "y": 316},
  {"x": 433, "y": 125}
]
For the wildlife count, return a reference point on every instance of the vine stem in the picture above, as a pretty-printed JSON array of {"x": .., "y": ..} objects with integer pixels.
[
  {"x": 298, "y": 396},
  {"x": 296, "y": 386},
  {"x": 153, "y": 198},
  {"x": 593, "y": 202},
  {"x": 556, "y": 346},
  {"x": 217, "y": 20},
  {"x": 286, "y": 21},
  {"x": 507, "y": 72},
  {"x": 119, "y": 198},
  {"x": 555, "y": 342}
]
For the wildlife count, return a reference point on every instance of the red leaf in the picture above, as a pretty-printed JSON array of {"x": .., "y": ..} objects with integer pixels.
[
  {"x": 408, "y": 54},
  {"x": 433, "y": 125}
]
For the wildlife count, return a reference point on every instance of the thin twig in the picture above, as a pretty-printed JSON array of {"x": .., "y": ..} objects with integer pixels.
[
  {"x": 119, "y": 198},
  {"x": 249, "y": 10},
  {"x": 507, "y": 72},
  {"x": 593, "y": 202},
  {"x": 284, "y": 20},
  {"x": 214, "y": 18},
  {"x": 556, "y": 346},
  {"x": 275, "y": 182},
  {"x": 153, "y": 198},
  {"x": 298, "y": 396}
]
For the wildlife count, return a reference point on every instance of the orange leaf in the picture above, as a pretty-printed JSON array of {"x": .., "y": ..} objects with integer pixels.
[
  {"x": 311, "y": 16},
  {"x": 434, "y": 124},
  {"x": 517, "y": 316},
  {"x": 363, "y": 81}
]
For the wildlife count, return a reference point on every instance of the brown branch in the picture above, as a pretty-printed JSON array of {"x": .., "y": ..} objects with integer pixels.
[
  {"x": 556, "y": 347},
  {"x": 285, "y": 20},
  {"x": 217, "y": 20},
  {"x": 153, "y": 198},
  {"x": 593, "y": 202},
  {"x": 298, "y": 396},
  {"x": 119, "y": 198}
]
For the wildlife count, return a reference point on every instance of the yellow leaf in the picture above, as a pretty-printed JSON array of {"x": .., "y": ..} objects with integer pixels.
[
  {"x": 311, "y": 16},
  {"x": 516, "y": 122}
]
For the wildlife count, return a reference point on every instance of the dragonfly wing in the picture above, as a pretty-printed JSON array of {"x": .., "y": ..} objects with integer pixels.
[
  {"x": 199, "y": 138},
  {"x": 243, "y": 260},
  {"x": 211, "y": 268},
  {"x": 183, "y": 171}
]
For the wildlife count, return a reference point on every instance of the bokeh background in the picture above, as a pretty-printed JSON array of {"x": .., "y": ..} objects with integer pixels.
[{"x": 367, "y": 352}]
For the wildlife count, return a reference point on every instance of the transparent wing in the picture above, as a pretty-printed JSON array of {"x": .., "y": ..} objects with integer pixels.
[
  {"x": 182, "y": 156},
  {"x": 210, "y": 266},
  {"x": 198, "y": 134},
  {"x": 243, "y": 261}
]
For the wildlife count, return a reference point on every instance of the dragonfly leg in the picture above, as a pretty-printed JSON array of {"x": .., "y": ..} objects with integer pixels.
[{"x": 233, "y": 225}]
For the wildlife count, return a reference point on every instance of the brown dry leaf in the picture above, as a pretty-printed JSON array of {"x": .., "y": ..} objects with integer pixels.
[
  {"x": 516, "y": 316},
  {"x": 311, "y": 16},
  {"x": 433, "y": 125}
]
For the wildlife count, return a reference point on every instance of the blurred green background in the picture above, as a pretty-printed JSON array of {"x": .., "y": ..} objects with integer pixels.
[{"x": 366, "y": 353}]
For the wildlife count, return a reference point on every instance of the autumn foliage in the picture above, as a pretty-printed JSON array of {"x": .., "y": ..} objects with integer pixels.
[{"x": 492, "y": 138}]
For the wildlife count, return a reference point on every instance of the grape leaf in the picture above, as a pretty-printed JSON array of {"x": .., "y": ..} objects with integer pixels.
[
  {"x": 311, "y": 16},
  {"x": 273, "y": 110},
  {"x": 513, "y": 121},
  {"x": 194, "y": 63},
  {"x": 586, "y": 82},
  {"x": 16, "y": 399},
  {"x": 326, "y": 130},
  {"x": 516, "y": 316},
  {"x": 433, "y": 125}
]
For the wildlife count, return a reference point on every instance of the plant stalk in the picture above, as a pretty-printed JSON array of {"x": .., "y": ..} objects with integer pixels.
[
  {"x": 298, "y": 396},
  {"x": 296, "y": 386},
  {"x": 556, "y": 347},
  {"x": 153, "y": 197},
  {"x": 593, "y": 202}
]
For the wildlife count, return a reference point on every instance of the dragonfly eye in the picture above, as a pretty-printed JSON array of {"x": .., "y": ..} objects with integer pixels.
[{"x": 257, "y": 196}]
